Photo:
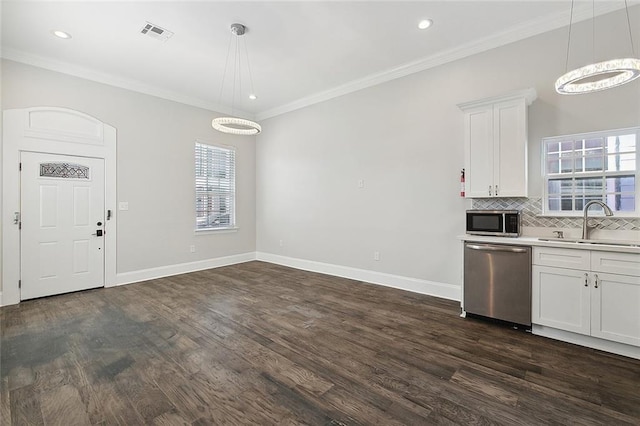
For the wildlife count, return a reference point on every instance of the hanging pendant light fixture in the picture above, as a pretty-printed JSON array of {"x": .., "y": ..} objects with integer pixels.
[
  {"x": 236, "y": 125},
  {"x": 602, "y": 75}
]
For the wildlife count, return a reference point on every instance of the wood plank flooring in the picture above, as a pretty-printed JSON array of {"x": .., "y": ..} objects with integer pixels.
[{"x": 263, "y": 344}]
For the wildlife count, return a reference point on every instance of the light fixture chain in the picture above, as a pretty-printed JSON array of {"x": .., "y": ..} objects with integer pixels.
[
  {"x": 246, "y": 52},
  {"x": 235, "y": 75},
  {"x": 235, "y": 71},
  {"x": 633, "y": 50},
  {"x": 593, "y": 31},
  {"x": 566, "y": 64},
  {"x": 239, "y": 53},
  {"x": 224, "y": 74}
]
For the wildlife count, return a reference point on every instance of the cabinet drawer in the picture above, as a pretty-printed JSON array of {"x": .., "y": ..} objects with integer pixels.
[
  {"x": 615, "y": 263},
  {"x": 562, "y": 258}
]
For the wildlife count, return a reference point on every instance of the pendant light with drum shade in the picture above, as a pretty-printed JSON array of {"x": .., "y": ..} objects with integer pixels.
[
  {"x": 236, "y": 125},
  {"x": 601, "y": 75}
]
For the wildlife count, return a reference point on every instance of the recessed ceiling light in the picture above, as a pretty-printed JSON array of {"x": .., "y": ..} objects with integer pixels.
[
  {"x": 424, "y": 24},
  {"x": 253, "y": 97},
  {"x": 61, "y": 34}
]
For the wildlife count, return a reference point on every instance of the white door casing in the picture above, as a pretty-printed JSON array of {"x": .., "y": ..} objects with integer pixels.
[
  {"x": 62, "y": 205},
  {"x": 55, "y": 131}
]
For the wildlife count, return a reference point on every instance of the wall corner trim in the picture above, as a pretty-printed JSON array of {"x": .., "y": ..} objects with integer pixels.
[{"x": 430, "y": 288}]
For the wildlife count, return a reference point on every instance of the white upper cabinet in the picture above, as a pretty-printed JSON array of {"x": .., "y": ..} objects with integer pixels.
[{"x": 496, "y": 145}]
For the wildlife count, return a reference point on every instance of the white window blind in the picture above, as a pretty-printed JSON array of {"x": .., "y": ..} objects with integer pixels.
[
  {"x": 599, "y": 166},
  {"x": 215, "y": 187}
]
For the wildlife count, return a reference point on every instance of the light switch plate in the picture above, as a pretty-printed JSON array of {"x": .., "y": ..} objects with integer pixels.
[{"x": 123, "y": 205}]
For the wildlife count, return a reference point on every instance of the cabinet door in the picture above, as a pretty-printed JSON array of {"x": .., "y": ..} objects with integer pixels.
[
  {"x": 510, "y": 139},
  {"x": 561, "y": 298},
  {"x": 479, "y": 152},
  {"x": 615, "y": 308}
]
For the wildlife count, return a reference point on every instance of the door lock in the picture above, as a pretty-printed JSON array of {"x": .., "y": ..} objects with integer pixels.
[{"x": 98, "y": 233}]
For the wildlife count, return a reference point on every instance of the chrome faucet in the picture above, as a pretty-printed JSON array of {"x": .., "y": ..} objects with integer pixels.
[{"x": 585, "y": 217}]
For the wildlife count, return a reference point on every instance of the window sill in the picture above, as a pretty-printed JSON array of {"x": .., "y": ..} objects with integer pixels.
[{"x": 215, "y": 231}]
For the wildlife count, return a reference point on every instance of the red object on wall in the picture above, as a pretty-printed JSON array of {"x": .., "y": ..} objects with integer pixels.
[{"x": 462, "y": 183}]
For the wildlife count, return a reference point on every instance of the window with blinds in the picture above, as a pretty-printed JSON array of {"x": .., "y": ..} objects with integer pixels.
[
  {"x": 215, "y": 187},
  {"x": 599, "y": 166}
]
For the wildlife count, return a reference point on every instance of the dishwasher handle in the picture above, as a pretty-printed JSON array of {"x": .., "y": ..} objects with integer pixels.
[{"x": 496, "y": 248}]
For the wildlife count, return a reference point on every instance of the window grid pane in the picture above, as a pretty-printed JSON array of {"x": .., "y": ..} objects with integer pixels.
[
  {"x": 215, "y": 187},
  {"x": 601, "y": 167}
]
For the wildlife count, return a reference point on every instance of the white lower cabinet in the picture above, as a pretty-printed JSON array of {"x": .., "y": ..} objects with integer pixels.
[
  {"x": 574, "y": 290},
  {"x": 615, "y": 308},
  {"x": 560, "y": 299}
]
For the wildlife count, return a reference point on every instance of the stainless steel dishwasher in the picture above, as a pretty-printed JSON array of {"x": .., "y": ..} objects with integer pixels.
[{"x": 497, "y": 281}]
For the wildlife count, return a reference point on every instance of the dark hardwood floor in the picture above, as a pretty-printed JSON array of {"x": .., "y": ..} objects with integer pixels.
[{"x": 262, "y": 344}]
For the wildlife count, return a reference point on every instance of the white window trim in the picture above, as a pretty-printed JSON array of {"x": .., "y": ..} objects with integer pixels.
[
  {"x": 207, "y": 231},
  {"x": 545, "y": 178},
  {"x": 228, "y": 229}
]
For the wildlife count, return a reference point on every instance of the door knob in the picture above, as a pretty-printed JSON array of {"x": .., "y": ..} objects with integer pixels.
[{"x": 98, "y": 233}]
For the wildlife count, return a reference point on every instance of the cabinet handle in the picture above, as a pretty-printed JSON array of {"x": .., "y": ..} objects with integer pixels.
[
  {"x": 586, "y": 279},
  {"x": 596, "y": 280},
  {"x": 489, "y": 190}
]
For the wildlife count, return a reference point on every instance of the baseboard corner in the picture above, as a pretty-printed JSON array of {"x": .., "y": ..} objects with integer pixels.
[{"x": 415, "y": 285}]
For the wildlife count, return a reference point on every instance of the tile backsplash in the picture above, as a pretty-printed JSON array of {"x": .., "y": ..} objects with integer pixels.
[{"x": 532, "y": 207}]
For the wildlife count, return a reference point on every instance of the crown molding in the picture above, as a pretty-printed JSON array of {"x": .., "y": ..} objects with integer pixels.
[
  {"x": 111, "y": 80},
  {"x": 510, "y": 35}
]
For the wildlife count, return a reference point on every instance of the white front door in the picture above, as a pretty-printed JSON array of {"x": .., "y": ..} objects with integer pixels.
[{"x": 62, "y": 207}]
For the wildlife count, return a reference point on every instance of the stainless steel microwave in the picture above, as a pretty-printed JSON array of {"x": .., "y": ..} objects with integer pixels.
[{"x": 503, "y": 223}]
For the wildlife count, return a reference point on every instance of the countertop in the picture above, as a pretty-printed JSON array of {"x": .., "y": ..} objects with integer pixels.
[{"x": 535, "y": 241}]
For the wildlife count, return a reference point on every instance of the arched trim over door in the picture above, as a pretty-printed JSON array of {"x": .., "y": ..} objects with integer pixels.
[{"x": 53, "y": 131}]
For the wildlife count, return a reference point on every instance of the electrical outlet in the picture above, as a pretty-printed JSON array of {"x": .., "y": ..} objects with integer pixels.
[
  {"x": 192, "y": 249},
  {"x": 360, "y": 183},
  {"x": 376, "y": 255},
  {"x": 281, "y": 243}
]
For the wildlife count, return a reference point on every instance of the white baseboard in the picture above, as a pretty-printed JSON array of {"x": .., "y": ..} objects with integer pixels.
[
  {"x": 588, "y": 341},
  {"x": 431, "y": 288},
  {"x": 181, "y": 268}
]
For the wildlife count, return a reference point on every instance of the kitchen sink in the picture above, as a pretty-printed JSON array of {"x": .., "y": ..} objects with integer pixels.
[{"x": 605, "y": 242}]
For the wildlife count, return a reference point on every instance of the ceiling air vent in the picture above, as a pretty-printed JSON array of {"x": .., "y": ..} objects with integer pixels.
[{"x": 156, "y": 32}]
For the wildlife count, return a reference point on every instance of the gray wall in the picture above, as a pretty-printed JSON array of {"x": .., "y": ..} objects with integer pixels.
[
  {"x": 155, "y": 165},
  {"x": 405, "y": 139}
]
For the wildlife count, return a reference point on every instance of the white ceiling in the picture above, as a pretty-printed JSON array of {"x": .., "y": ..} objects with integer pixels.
[{"x": 301, "y": 52}]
